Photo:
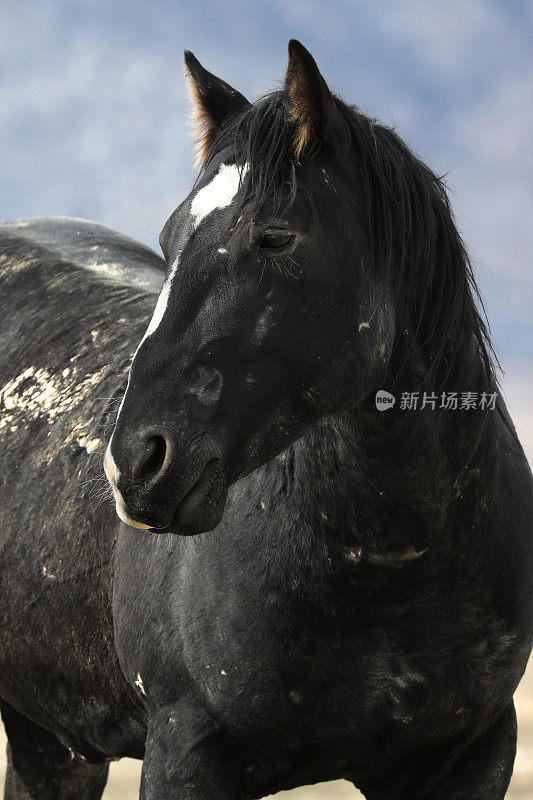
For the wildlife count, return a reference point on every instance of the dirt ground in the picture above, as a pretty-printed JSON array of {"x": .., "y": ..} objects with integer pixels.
[{"x": 125, "y": 775}]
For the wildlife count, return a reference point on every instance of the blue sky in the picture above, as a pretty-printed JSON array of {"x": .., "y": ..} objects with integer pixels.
[{"x": 93, "y": 114}]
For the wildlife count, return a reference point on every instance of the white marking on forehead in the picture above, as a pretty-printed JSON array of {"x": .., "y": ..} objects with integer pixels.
[{"x": 218, "y": 193}]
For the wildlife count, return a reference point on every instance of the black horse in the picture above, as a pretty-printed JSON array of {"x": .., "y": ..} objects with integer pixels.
[{"x": 356, "y": 600}]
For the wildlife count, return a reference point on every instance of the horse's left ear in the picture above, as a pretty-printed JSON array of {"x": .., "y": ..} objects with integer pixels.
[
  {"x": 313, "y": 108},
  {"x": 213, "y": 100}
]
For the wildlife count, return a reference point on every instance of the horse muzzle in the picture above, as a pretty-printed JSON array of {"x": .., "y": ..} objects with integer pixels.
[{"x": 164, "y": 485}]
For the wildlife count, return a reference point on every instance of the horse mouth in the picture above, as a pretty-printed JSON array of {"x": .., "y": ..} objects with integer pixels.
[{"x": 200, "y": 509}]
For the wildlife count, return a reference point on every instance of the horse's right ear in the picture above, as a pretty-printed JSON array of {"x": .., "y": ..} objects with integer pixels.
[{"x": 213, "y": 101}]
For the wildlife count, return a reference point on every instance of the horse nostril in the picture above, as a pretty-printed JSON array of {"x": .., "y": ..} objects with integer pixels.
[{"x": 156, "y": 450}]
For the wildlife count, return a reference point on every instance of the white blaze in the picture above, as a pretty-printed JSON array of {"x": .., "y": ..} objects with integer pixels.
[
  {"x": 218, "y": 193},
  {"x": 161, "y": 304}
]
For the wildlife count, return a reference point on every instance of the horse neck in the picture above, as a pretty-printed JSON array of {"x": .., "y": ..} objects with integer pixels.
[{"x": 357, "y": 467}]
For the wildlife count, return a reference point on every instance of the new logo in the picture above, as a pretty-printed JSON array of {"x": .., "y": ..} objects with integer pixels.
[{"x": 384, "y": 400}]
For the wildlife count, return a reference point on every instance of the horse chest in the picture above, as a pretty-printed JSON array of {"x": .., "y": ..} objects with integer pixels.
[
  {"x": 266, "y": 669},
  {"x": 285, "y": 672}
]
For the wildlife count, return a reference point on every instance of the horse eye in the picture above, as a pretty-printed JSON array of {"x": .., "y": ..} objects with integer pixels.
[{"x": 275, "y": 240}]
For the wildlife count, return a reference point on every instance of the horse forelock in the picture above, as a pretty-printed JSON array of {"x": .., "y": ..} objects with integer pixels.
[{"x": 261, "y": 140}]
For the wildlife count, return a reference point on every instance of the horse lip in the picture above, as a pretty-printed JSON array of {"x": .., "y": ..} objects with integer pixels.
[
  {"x": 197, "y": 495},
  {"x": 199, "y": 484},
  {"x": 122, "y": 515}
]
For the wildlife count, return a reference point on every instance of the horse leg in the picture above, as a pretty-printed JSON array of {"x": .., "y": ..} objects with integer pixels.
[
  {"x": 481, "y": 771},
  {"x": 484, "y": 769},
  {"x": 39, "y": 767},
  {"x": 185, "y": 756}
]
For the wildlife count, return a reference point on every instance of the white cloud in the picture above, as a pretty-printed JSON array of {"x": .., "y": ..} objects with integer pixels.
[
  {"x": 94, "y": 124},
  {"x": 447, "y": 36}
]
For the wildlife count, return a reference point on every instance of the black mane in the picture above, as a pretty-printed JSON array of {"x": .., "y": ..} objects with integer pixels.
[{"x": 410, "y": 225}]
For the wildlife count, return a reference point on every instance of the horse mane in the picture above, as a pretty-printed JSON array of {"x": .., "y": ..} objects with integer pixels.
[{"x": 410, "y": 225}]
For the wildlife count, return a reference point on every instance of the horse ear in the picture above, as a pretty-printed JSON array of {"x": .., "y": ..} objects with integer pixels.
[
  {"x": 313, "y": 108},
  {"x": 213, "y": 102}
]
